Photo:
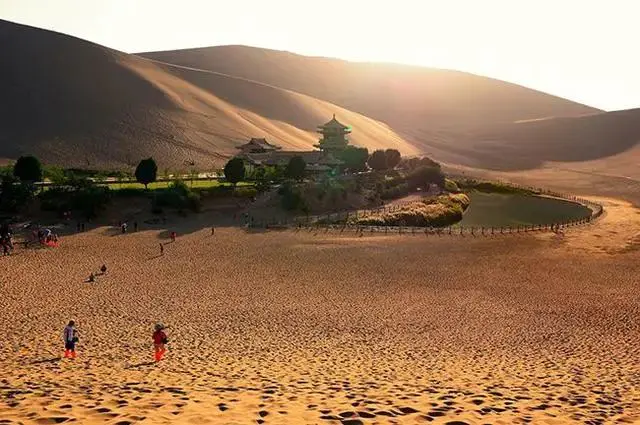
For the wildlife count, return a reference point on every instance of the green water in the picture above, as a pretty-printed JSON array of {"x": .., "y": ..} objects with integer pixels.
[{"x": 496, "y": 209}]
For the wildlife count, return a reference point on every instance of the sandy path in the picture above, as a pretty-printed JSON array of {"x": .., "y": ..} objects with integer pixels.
[{"x": 286, "y": 327}]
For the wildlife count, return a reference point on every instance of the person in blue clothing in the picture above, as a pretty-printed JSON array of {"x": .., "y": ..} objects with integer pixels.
[{"x": 70, "y": 336}]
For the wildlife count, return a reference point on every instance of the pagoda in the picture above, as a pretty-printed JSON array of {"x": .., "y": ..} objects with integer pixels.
[{"x": 334, "y": 136}]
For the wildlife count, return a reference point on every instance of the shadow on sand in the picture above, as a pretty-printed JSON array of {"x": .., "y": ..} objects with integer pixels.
[
  {"x": 43, "y": 361},
  {"x": 141, "y": 365}
]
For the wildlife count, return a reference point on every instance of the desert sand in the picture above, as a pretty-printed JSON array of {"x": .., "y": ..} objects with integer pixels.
[{"x": 302, "y": 327}]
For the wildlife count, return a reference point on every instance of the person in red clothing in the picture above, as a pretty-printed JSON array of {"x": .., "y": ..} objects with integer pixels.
[
  {"x": 173, "y": 236},
  {"x": 159, "y": 341}
]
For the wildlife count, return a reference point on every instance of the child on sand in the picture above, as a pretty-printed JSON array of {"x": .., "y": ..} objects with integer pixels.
[
  {"x": 173, "y": 236},
  {"x": 159, "y": 340},
  {"x": 161, "y": 249},
  {"x": 70, "y": 336}
]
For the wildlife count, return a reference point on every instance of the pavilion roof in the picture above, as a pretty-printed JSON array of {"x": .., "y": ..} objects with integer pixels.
[
  {"x": 259, "y": 143},
  {"x": 334, "y": 123}
]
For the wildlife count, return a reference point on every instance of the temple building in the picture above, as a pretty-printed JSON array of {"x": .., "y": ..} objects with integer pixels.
[
  {"x": 334, "y": 136},
  {"x": 258, "y": 152},
  {"x": 256, "y": 145}
]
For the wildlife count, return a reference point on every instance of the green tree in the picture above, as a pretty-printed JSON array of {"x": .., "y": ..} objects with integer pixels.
[
  {"x": 28, "y": 169},
  {"x": 393, "y": 158},
  {"x": 146, "y": 172},
  {"x": 14, "y": 194},
  {"x": 378, "y": 160},
  {"x": 234, "y": 170},
  {"x": 295, "y": 168},
  {"x": 424, "y": 176},
  {"x": 355, "y": 158}
]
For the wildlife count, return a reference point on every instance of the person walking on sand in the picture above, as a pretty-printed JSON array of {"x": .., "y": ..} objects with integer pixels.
[
  {"x": 213, "y": 230},
  {"x": 173, "y": 236},
  {"x": 161, "y": 249},
  {"x": 159, "y": 341},
  {"x": 70, "y": 336}
]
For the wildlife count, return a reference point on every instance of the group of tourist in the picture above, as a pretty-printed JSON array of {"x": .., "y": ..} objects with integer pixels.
[
  {"x": 124, "y": 226},
  {"x": 71, "y": 337}
]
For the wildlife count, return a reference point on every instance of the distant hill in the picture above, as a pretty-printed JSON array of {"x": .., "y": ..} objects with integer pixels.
[
  {"x": 73, "y": 102},
  {"x": 76, "y": 103},
  {"x": 410, "y": 98}
]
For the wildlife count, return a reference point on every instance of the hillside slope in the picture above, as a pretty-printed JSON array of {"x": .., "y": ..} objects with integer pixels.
[
  {"x": 409, "y": 98},
  {"x": 77, "y": 103}
]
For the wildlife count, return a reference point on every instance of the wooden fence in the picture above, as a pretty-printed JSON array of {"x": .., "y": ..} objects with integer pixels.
[{"x": 338, "y": 221}]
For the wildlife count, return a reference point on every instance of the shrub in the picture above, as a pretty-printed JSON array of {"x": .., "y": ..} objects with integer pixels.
[
  {"x": 393, "y": 158},
  {"x": 84, "y": 197},
  {"x": 438, "y": 212},
  {"x": 57, "y": 199},
  {"x": 295, "y": 168},
  {"x": 216, "y": 192},
  {"x": 246, "y": 191},
  {"x": 355, "y": 158},
  {"x": 378, "y": 160},
  {"x": 423, "y": 176},
  {"x": 451, "y": 186},
  {"x": 14, "y": 194},
  {"x": 292, "y": 199},
  {"x": 130, "y": 192},
  {"x": 492, "y": 187},
  {"x": 56, "y": 175},
  {"x": 90, "y": 200},
  {"x": 413, "y": 163},
  {"x": 178, "y": 195},
  {"x": 397, "y": 191}
]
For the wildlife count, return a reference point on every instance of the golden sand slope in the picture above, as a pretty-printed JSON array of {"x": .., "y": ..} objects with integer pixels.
[
  {"x": 72, "y": 102},
  {"x": 286, "y": 327},
  {"x": 76, "y": 103},
  {"x": 407, "y": 97}
]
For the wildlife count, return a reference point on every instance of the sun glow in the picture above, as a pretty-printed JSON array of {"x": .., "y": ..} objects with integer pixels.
[{"x": 575, "y": 49}]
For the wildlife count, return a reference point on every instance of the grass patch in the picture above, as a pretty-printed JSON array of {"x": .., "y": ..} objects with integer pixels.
[
  {"x": 196, "y": 184},
  {"x": 441, "y": 211},
  {"x": 491, "y": 187}
]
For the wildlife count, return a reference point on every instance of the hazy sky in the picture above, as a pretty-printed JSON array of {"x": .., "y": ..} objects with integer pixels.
[{"x": 585, "y": 50}]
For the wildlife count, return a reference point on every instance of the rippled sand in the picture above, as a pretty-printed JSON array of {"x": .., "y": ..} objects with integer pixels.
[{"x": 299, "y": 327}]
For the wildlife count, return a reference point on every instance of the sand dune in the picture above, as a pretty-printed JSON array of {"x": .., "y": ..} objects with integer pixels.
[
  {"x": 456, "y": 117},
  {"x": 345, "y": 331},
  {"x": 406, "y": 97},
  {"x": 77, "y": 103}
]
